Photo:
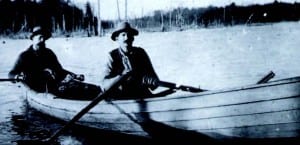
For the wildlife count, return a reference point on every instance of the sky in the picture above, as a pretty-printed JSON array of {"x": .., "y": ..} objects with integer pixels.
[{"x": 138, "y": 8}]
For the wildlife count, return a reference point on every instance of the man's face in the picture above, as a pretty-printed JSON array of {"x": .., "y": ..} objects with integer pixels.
[
  {"x": 125, "y": 41},
  {"x": 38, "y": 41}
]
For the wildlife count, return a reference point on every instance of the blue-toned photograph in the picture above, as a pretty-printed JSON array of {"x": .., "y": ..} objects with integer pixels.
[{"x": 149, "y": 72}]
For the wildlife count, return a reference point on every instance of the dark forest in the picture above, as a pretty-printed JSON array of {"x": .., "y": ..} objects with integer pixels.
[{"x": 63, "y": 18}]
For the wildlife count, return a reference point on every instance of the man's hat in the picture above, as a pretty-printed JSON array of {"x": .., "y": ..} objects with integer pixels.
[
  {"x": 124, "y": 27},
  {"x": 38, "y": 30}
]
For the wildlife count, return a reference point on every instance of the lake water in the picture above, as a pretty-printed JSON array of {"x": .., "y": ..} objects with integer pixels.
[{"x": 212, "y": 58}]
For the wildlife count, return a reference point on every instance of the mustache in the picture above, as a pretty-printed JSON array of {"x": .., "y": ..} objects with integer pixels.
[
  {"x": 41, "y": 44},
  {"x": 128, "y": 41}
]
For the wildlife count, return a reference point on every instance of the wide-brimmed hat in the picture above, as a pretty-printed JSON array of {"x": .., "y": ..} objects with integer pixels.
[
  {"x": 39, "y": 30},
  {"x": 124, "y": 27}
]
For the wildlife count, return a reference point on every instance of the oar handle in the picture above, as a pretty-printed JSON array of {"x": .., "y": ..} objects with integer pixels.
[
  {"x": 167, "y": 84},
  {"x": 10, "y": 80},
  {"x": 179, "y": 87},
  {"x": 266, "y": 78}
]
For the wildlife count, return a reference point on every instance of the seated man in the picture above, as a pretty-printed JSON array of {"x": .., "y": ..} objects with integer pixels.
[
  {"x": 41, "y": 71},
  {"x": 128, "y": 58}
]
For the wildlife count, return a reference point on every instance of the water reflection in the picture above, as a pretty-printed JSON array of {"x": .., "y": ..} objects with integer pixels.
[{"x": 33, "y": 127}]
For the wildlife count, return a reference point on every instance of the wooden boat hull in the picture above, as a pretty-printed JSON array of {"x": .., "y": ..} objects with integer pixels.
[{"x": 269, "y": 110}]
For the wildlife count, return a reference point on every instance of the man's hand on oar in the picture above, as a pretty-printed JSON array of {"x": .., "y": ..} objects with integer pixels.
[{"x": 14, "y": 79}]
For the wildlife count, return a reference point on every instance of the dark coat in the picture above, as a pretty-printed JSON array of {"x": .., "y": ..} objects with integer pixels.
[
  {"x": 141, "y": 67},
  {"x": 33, "y": 64}
]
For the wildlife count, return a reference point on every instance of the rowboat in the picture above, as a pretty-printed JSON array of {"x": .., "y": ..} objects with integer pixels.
[{"x": 268, "y": 110}]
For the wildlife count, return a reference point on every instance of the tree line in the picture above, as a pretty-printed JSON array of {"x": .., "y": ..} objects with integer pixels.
[
  {"x": 59, "y": 16},
  {"x": 63, "y": 17},
  {"x": 181, "y": 18}
]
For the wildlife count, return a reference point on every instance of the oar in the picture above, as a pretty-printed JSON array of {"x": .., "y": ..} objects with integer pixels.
[
  {"x": 174, "y": 86},
  {"x": 9, "y": 80},
  {"x": 93, "y": 103},
  {"x": 123, "y": 111},
  {"x": 179, "y": 87},
  {"x": 266, "y": 78}
]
